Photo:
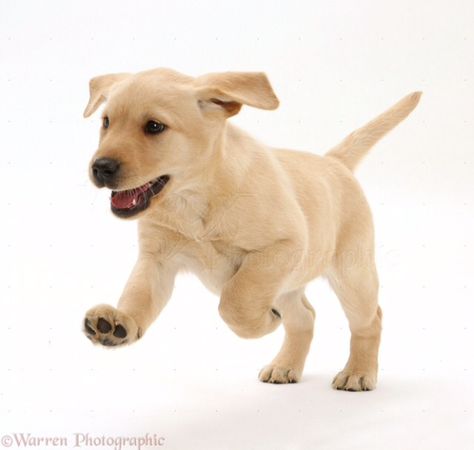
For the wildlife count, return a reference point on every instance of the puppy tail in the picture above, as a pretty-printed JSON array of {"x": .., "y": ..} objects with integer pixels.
[{"x": 355, "y": 146}]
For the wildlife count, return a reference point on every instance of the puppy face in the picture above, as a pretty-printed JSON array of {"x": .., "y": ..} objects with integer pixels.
[{"x": 160, "y": 130}]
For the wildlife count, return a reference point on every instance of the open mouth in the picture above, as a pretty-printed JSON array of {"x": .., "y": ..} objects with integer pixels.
[{"x": 132, "y": 201}]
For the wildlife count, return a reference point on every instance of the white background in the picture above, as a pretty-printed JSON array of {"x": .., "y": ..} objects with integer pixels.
[{"x": 334, "y": 66}]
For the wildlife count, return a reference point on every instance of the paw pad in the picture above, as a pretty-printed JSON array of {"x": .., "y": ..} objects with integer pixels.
[
  {"x": 110, "y": 327},
  {"x": 120, "y": 331},
  {"x": 88, "y": 328},
  {"x": 103, "y": 326}
]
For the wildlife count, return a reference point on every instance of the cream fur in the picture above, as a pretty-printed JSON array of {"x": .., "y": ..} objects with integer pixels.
[{"x": 255, "y": 224}]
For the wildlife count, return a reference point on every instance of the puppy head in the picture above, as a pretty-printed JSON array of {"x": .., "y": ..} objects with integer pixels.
[{"x": 161, "y": 130}]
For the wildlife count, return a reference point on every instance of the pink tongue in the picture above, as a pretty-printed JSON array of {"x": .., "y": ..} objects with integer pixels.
[{"x": 125, "y": 199}]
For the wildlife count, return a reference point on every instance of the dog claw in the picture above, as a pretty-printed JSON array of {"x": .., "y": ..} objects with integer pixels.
[{"x": 276, "y": 313}]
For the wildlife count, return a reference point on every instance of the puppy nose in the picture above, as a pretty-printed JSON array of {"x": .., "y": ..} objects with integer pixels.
[{"x": 105, "y": 169}]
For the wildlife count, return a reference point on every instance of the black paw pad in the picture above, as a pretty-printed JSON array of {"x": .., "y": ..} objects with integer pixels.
[
  {"x": 120, "y": 331},
  {"x": 103, "y": 326},
  {"x": 87, "y": 327}
]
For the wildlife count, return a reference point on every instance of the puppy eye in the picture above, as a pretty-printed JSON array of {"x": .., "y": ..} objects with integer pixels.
[
  {"x": 105, "y": 122},
  {"x": 153, "y": 127}
]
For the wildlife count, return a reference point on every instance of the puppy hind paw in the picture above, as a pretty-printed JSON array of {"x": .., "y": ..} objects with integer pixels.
[
  {"x": 354, "y": 382},
  {"x": 279, "y": 375}
]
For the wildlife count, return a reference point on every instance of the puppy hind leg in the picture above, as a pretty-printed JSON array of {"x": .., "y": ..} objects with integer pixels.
[
  {"x": 357, "y": 289},
  {"x": 298, "y": 320}
]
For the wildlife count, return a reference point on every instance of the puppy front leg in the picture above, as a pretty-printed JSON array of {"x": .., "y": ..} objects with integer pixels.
[
  {"x": 247, "y": 298},
  {"x": 145, "y": 295}
]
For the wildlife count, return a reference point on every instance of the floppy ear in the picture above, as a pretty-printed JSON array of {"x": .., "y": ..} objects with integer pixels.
[
  {"x": 228, "y": 91},
  {"x": 99, "y": 88}
]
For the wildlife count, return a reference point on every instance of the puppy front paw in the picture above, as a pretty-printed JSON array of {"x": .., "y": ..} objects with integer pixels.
[{"x": 108, "y": 326}]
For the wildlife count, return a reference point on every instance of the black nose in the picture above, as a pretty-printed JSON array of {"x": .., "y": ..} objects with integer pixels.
[{"x": 105, "y": 170}]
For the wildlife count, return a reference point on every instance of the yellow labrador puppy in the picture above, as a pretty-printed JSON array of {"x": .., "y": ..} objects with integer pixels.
[{"x": 256, "y": 224}]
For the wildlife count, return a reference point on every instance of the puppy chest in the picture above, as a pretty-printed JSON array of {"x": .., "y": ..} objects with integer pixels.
[{"x": 213, "y": 262}]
